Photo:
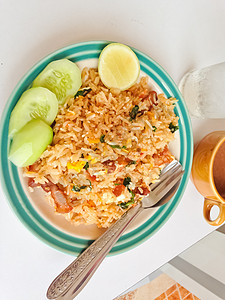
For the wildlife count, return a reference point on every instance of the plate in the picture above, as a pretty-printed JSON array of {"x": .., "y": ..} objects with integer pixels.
[{"x": 38, "y": 216}]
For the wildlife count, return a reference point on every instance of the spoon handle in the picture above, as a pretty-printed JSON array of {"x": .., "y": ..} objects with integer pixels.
[{"x": 73, "y": 279}]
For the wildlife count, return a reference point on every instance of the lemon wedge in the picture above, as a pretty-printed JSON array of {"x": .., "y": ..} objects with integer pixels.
[{"x": 118, "y": 66}]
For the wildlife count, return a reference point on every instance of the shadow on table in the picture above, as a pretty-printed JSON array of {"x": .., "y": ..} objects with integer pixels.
[{"x": 197, "y": 273}]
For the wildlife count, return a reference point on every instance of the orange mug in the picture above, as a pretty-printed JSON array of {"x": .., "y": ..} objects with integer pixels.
[{"x": 208, "y": 174}]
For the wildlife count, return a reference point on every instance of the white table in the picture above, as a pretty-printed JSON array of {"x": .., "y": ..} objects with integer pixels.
[{"x": 179, "y": 35}]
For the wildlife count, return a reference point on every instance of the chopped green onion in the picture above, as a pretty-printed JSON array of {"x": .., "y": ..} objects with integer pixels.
[
  {"x": 125, "y": 205},
  {"x": 154, "y": 128},
  {"x": 173, "y": 128},
  {"x": 102, "y": 138},
  {"x": 83, "y": 187},
  {"x": 117, "y": 183},
  {"x": 78, "y": 189},
  {"x": 126, "y": 181},
  {"x": 82, "y": 92},
  {"x": 133, "y": 113},
  {"x": 86, "y": 166},
  {"x": 132, "y": 196},
  {"x": 115, "y": 146},
  {"x": 90, "y": 185},
  {"x": 118, "y": 147}
]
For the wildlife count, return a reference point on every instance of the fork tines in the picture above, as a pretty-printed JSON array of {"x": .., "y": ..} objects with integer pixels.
[{"x": 168, "y": 175}]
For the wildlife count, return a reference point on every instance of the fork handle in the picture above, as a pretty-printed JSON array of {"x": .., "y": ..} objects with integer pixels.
[{"x": 73, "y": 279}]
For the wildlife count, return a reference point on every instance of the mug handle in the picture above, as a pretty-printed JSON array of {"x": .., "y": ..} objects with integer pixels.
[{"x": 208, "y": 204}]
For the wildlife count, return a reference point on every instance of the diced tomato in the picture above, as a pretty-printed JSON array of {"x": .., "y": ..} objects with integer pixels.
[
  {"x": 92, "y": 178},
  {"x": 118, "y": 190}
]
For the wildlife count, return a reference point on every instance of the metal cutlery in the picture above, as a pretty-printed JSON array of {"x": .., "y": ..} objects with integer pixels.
[{"x": 73, "y": 279}]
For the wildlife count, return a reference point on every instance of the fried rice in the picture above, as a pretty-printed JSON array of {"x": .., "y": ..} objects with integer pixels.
[{"x": 108, "y": 147}]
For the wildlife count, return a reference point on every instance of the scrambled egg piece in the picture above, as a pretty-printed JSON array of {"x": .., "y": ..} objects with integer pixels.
[
  {"x": 94, "y": 141},
  {"x": 90, "y": 158},
  {"x": 77, "y": 166}
]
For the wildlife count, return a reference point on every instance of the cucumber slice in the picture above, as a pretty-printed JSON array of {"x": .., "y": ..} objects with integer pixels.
[
  {"x": 62, "y": 77},
  {"x": 35, "y": 103},
  {"x": 30, "y": 142}
]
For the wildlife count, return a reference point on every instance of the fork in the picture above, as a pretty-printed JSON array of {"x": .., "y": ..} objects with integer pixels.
[{"x": 73, "y": 279}]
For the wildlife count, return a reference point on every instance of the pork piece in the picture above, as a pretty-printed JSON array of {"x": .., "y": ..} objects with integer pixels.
[
  {"x": 32, "y": 168},
  {"x": 60, "y": 200},
  {"x": 110, "y": 166},
  {"x": 162, "y": 157},
  {"x": 150, "y": 98},
  {"x": 143, "y": 191}
]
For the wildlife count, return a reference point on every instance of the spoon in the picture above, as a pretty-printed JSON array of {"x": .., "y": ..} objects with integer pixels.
[{"x": 73, "y": 279}]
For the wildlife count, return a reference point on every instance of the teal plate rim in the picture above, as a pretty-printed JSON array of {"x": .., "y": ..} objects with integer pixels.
[{"x": 9, "y": 173}]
